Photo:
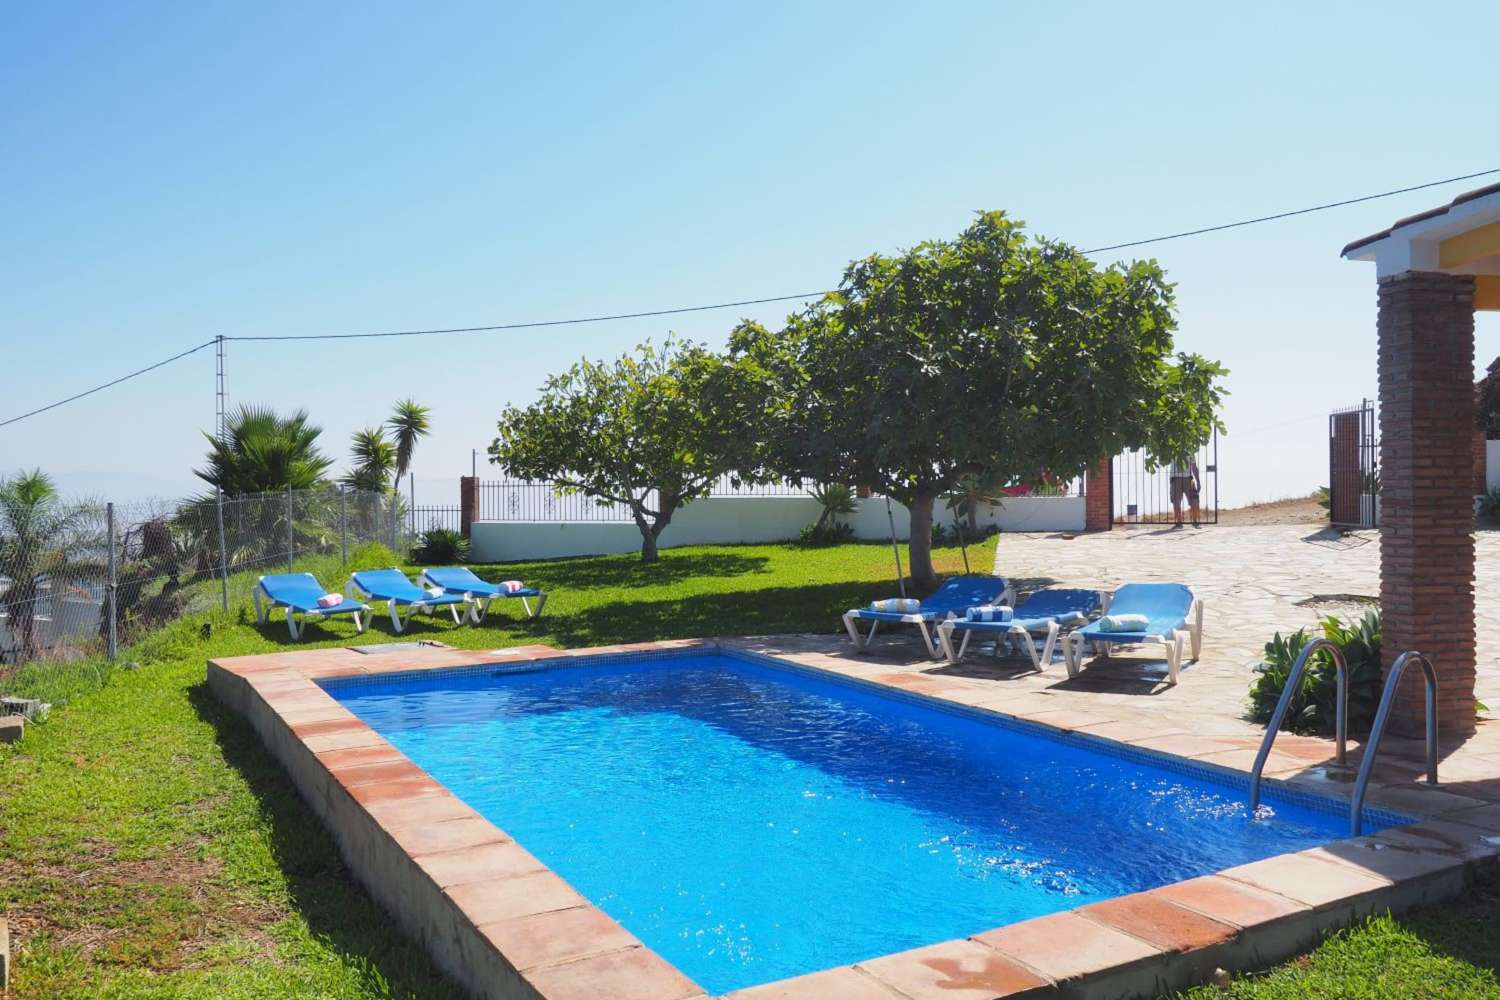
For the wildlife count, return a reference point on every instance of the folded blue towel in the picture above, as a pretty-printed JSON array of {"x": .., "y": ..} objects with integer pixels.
[
  {"x": 1123, "y": 623},
  {"x": 990, "y": 613},
  {"x": 897, "y": 605}
]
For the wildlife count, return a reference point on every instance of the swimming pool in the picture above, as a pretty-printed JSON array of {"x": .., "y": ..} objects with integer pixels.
[{"x": 751, "y": 821}]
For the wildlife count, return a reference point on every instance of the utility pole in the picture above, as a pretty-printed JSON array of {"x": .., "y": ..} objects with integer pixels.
[{"x": 220, "y": 398}]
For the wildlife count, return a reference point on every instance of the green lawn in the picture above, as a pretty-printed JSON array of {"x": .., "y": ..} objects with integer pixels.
[
  {"x": 149, "y": 848},
  {"x": 1448, "y": 952}
]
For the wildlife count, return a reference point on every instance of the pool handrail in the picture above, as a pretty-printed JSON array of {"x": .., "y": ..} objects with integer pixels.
[
  {"x": 1341, "y": 711},
  {"x": 1372, "y": 746}
]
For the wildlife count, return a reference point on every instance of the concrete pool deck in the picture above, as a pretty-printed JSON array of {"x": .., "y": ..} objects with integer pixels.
[{"x": 500, "y": 923}]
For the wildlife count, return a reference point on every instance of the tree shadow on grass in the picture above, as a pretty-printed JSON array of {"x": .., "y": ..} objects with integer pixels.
[
  {"x": 324, "y": 892},
  {"x": 772, "y": 611},
  {"x": 1464, "y": 928},
  {"x": 597, "y": 572}
]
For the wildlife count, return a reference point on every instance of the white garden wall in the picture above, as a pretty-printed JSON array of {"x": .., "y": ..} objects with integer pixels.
[{"x": 740, "y": 520}]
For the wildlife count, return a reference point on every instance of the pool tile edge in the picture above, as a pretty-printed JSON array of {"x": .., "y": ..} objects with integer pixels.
[
  {"x": 387, "y": 818},
  {"x": 364, "y": 820}
]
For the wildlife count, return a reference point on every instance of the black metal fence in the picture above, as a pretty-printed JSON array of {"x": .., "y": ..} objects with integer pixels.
[
  {"x": 427, "y": 518},
  {"x": 1354, "y": 466},
  {"x": 527, "y": 500},
  {"x": 1164, "y": 494}
]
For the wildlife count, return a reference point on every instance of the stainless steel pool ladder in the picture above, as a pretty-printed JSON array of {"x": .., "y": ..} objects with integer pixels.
[
  {"x": 1341, "y": 723},
  {"x": 1341, "y": 711},
  {"x": 1356, "y": 807}
]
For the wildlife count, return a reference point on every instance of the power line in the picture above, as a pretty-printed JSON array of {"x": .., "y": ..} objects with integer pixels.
[
  {"x": 1299, "y": 211},
  {"x": 813, "y": 295},
  {"x": 721, "y": 305},
  {"x": 106, "y": 385},
  {"x": 537, "y": 323},
  {"x": 1279, "y": 424}
]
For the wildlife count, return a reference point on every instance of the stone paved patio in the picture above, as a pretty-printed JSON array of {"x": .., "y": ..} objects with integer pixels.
[{"x": 1253, "y": 581}]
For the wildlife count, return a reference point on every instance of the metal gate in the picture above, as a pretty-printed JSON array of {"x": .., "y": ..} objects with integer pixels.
[
  {"x": 1353, "y": 467},
  {"x": 1141, "y": 495}
]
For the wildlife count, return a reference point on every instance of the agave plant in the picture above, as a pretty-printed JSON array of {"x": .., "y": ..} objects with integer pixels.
[
  {"x": 836, "y": 500},
  {"x": 973, "y": 491}
]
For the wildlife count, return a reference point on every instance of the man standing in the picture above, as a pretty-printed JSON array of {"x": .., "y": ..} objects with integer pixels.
[{"x": 1184, "y": 480}]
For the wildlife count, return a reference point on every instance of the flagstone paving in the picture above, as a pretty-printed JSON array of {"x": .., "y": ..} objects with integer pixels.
[
  {"x": 495, "y": 918},
  {"x": 1254, "y": 581}
]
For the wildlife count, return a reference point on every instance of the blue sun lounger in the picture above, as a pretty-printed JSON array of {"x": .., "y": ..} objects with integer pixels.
[
  {"x": 955, "y": 597},
  {"x": 1043, "y": 613},
  {"x": 461, "y": 580},
  {"x": 402, "y": 597},
  {"x": 1174, "y": 615},
  {"x": 299, "y": 593}
]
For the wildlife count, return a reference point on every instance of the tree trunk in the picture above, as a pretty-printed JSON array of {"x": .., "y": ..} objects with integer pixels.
[
  {"x": 651, "y": 531},
  {"x": 648, "y": 535},
  {"x": 920, "y": 549}
]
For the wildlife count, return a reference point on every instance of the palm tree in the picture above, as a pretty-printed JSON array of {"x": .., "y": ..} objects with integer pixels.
[
  {"x": 261, "y": 452},
  {"x": 264, "y": 452},
  {"x": 409, "y": 422},
  {"x": 41, "y": 539},
  {"x": 374, "y": 458}
]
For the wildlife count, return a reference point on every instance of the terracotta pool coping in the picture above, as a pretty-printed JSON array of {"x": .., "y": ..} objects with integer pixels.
[{"x": 501, "y": 923}]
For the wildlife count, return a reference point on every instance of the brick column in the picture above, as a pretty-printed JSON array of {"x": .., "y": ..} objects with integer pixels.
[
  {"x": 1098, "y": 496},
  {"x": 1426, "y": 330},
  {"x": 468, "y": 503}
]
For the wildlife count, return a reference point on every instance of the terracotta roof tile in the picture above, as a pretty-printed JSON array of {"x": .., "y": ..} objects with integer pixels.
[{"x": 1431, "y": 213}]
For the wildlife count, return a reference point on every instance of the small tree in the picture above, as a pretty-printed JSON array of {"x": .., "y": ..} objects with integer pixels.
[
  {"x": 42, "y": 541},
  {"x": 650, "y": 432},
  {"x": 989, "y": 356}
]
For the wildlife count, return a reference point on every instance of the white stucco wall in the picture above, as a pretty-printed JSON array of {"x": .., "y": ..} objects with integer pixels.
[
  {"x": 741, "y": 520},
  {"x": 1492, "y": 464}
]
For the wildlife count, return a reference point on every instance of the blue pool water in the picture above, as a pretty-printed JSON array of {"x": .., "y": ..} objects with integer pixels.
[{"x": 750, "y": 822}]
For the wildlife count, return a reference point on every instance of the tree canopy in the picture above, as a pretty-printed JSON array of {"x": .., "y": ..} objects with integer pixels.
[
  {"x": 651, "y": 431},
  {"x": 990, "y": 355}
]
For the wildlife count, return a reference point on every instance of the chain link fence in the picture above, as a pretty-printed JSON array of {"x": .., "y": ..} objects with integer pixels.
[{"x": 79, "y": 581}]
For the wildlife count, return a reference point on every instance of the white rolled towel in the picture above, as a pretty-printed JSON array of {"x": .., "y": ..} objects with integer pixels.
[
  {"x": 1123, "y": 623},
  {"x": 991, "y": 613}
]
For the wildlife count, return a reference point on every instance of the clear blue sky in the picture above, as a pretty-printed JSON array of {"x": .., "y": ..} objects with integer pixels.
[{"x": 177, "y": 171}]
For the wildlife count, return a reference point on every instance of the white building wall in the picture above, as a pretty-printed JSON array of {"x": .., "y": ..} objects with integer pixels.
[{"x": 742, "y": 521}]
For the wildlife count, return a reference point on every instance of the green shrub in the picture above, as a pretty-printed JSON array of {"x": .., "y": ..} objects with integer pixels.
[
  {"x": 831, "y": 533},
  {"x": 1313, "y": 706},
  {"x": 1489, "y": 502},
  {"x": 441, "y": 547}
]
